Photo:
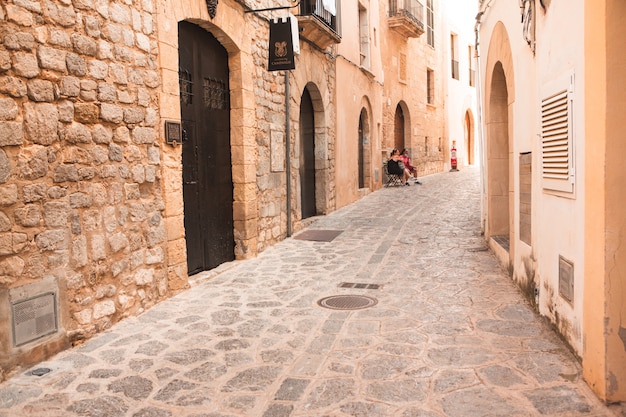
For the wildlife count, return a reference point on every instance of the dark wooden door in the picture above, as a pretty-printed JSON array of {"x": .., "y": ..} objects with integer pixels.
[
  {"x": 398, "y": 133},
  {"x": 362, "y": 150},
  {"x": 207, "y": 171},
  {"x": 307, "y": 156}
]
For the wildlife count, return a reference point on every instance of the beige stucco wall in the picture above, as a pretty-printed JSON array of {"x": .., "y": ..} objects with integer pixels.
[
  {"x": 604, "y": 353},
  {"x": 616, "y": 226},
  {"x": 583, "y": 226},
  {"x": 360, "y": 87},
  {"x": 460, "y": 96},
  {"x": 557, "y": 217},
  {"x": 594, "y": 354}
]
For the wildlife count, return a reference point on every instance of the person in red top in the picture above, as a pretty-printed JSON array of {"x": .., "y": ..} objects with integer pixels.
[{"x": 406, "y": 159}]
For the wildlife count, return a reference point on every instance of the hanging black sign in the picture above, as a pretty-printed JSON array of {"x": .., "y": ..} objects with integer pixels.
[{"x": 281, "y": 46}]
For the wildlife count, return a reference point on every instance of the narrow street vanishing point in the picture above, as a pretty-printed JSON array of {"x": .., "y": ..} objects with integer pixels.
[{"x": 391, "y": 306}]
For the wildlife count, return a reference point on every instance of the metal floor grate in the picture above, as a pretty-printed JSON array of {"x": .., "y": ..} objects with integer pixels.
[
  {"x": 360, "y": 285},
  {"x": 318, "y": 235}
]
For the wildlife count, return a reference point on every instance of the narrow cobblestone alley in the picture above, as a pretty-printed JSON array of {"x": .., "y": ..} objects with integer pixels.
[{"x": 446, "y": 333}]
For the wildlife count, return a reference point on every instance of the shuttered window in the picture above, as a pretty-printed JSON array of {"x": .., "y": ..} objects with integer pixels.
[{"x": 556, "y": 136}]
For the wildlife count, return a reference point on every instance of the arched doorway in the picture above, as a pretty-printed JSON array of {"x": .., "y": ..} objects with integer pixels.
[
  {"x": 307, "y": 156},
  {"x": 398, "y": 128},
  {"x": 468, "y": 128},
  {"x": 207, "y": 171},
  {"x": 364, "y": 149},
  {"x": 498, "y": 158}
]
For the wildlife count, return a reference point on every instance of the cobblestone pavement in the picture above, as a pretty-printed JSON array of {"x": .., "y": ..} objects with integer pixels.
[{"x": 450, "y": 334}]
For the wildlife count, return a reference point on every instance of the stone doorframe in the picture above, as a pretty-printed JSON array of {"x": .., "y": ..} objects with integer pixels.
[
  {"x": 321, "y": 148},
  {"x": 499, "y": 137},
  {"x": 229, "y": 27},
  {"x": 368, "y": 133},
  {"x": 311, "y": 78}
]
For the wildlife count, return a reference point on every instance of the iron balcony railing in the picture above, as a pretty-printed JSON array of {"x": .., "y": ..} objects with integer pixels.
[
  {"x": 316, "y": 8},
  {"x": 412, "y": 9}
]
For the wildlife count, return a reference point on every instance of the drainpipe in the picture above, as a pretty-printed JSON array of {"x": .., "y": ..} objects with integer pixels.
[{"x": 288, "y": 151}]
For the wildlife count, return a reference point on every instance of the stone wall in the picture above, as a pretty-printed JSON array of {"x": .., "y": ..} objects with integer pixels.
[
  {"x": 316, "y": 70},
  {"x": 91, "y": 204},
  {"x": 80, "y": 160}
]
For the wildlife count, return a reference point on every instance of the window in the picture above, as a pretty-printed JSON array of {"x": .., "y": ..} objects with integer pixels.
[
  {"x": 430, "y": 86},
  {"x": 472, "y": 71},
  {"x": 557, "y": 165},
  {"x": 430, "y": 23},
  {"x": 402, "y": 67},
  {"x": 454, "y": 55},
  {"x": 364, "y": 39}
]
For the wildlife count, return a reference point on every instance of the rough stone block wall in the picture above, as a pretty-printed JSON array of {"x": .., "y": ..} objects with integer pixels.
[
  {"x": 80, "y": 162},
  {"x": 269, "y": 92}
]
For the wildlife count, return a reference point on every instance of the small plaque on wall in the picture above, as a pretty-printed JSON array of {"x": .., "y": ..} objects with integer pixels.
[
  {"x": 277, "y": 151},
  {"x": 173, "y": 133}
]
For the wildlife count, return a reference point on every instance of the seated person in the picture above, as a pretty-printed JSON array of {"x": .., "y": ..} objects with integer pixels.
[
  {"x": 394, "y": 166},
  {"x": 407, "y": 164}
]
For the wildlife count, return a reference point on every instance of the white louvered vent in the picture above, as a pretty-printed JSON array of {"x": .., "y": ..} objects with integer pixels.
[{"x": 556, "y": 136}]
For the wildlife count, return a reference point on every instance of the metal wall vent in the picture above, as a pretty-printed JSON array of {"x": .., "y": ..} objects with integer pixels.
[
  {"x": 34, "y": 318},
  {"x": 566, "y": 279}
]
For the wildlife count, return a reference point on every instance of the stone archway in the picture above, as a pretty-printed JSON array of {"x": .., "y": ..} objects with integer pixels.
[
  {"x": 402, "y": 127},
  {"x": 498, "y": 155},
  {"x": 242, "y": 144},
  {"x": 320, "y": 146},
  {"x": 499, "y": 99}
]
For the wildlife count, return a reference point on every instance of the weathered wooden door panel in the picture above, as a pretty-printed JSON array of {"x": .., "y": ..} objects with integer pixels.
[
  {"x": 207, "y": 171},
  {"x": 307, "y": 156}
]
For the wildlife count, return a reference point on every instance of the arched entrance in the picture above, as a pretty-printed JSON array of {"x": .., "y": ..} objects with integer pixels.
[
  {"x": 207, "y": 171},
  {"x": 364, "y": 149},
  {"x": 307, "y": 156},
  {"x": 498, "y": 158},
  {"x": 398, "y": 128},
  {"x": 468, "y": 129}
]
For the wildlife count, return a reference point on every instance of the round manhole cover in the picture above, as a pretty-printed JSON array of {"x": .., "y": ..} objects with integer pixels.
[{"x": 347, "y": 302}]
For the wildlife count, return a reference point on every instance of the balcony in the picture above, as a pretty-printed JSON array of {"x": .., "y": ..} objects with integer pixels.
[
  {"x": 406, "y": 17},
  {"x": 317, "y": 24}
]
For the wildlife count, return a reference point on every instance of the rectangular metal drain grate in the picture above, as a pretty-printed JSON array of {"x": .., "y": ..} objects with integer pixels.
[
  {"x": 359, "y": 285},
  {"x": 318, "y": 235}
]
